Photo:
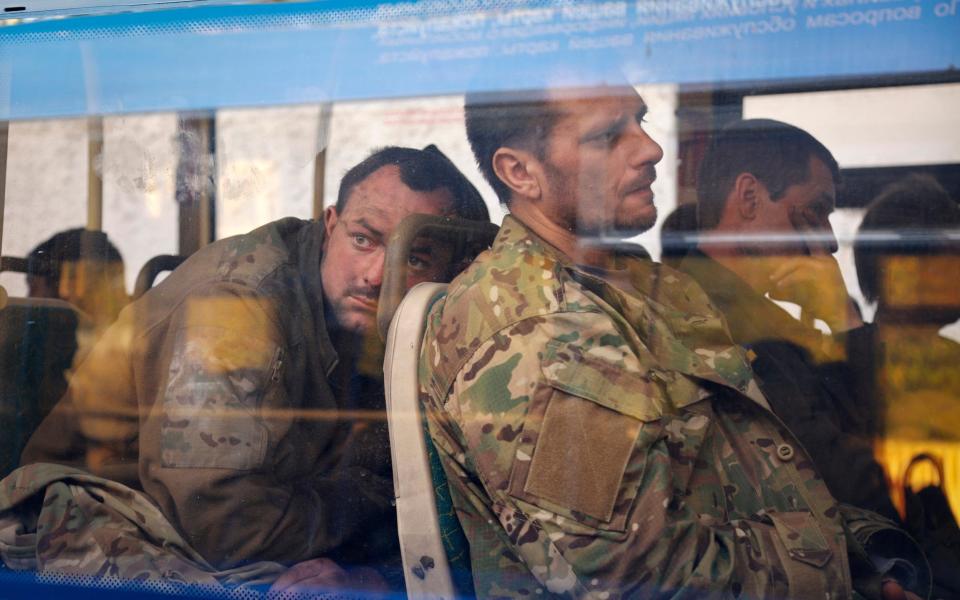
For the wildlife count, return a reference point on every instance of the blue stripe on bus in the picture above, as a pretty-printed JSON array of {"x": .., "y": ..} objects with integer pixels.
[{"x": 250, "y": 55}]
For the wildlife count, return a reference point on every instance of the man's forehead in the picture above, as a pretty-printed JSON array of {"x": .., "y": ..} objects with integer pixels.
[
  {"x": 383, "y": 194},
  {"x": 822, "y": 177},
  {"x": 578, "y": 100},
  {"x": 357, "y": 210}
]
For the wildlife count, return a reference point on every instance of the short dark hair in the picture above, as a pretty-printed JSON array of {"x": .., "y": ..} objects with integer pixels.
[
  {"x": 422, "y": 171},
  {"x": 776, "y": 153},
  {"x": 71, "y": 245},
  {"x": 912, "y": 207},
  {"x": 498, "y": 119}
]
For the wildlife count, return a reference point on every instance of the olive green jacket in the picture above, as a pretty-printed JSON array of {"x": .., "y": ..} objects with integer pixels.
[{"x": 215, "y": 394}]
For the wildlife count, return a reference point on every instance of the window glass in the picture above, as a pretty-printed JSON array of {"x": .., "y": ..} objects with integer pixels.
[{"x": 591, "y": 299}]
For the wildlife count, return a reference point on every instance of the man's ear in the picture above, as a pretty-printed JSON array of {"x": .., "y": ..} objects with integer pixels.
[
  {"x": 330, "y": 217},
  {"x": 520, "y": 171},
  {"x": 745, "y": 196}
]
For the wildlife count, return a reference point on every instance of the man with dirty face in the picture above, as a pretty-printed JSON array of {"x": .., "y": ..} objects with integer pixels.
[{"x": 243, "y": 395}]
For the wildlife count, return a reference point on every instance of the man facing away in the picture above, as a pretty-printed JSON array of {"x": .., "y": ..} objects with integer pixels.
[
  {"x": 602, "y": 435},
  {"x": 231, "y": 394},
  {"x": 765, "y": 192}
]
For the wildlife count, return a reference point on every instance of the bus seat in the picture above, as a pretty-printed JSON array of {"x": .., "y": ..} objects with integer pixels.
[
  {"x": 432, "y": 545},
  {"x": 153, "y": 267},
  {"x": 451, "y": 532},
  {"x": 37, "y": 343}
]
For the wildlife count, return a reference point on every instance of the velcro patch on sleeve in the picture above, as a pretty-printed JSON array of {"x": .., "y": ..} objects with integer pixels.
[{"x": 581, "y": 455}]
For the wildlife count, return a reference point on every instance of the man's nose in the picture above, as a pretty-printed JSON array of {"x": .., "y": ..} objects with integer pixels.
[
  {"x": 372, "y": 270},
  {"x": 822, "y": 237},
  {"x": 71, "y": 282},
  {"x": 830, "y": 239},
  {"x": 643, "y": 150}
]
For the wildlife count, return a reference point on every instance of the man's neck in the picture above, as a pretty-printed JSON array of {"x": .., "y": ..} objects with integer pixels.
[
  {"x": 358, "y": 352},
  {"x": 563, "y": 239},
  {"x": 751, "y": 269}
]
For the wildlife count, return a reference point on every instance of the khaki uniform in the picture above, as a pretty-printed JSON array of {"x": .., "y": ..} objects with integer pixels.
[
  {"x": 218, "y": 394},
  {"x": 603, "y": 437}
]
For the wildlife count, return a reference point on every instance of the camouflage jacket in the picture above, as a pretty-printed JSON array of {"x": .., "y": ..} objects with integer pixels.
[
  {"x": 216, "y": 393},
  {"x": 604, "y": 438},
  {"x": 86, "y": 525}
]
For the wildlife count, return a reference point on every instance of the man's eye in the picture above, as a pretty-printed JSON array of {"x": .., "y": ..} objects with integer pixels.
[
  {"x": 361, "y": 241},
  {"x": 817, "y": 214},
  {"x": 605, "y": 138},
  {"x": 416, "y": 262}
]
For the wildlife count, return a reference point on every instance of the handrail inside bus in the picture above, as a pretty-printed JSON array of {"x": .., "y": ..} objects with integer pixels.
[
  {"x": 15, "y": 264},
  {"x": 153, "y": 267}
]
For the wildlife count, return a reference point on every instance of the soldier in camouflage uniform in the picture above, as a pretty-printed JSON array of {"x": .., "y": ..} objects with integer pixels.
[
  {"x": 233, "y": 394},
  {"x": 601, "y": 434}
]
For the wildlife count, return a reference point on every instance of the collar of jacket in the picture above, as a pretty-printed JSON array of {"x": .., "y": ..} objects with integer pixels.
[
  {"x": 309, "y": 244},
  {"x": 752, "y": 317},
  {"x": 677, "y": 327}
]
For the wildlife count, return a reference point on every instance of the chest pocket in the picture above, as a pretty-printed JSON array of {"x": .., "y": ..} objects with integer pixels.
[{"x": 580, "y": 454}]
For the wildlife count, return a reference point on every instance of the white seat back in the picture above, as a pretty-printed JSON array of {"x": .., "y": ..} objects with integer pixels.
[{"x": 425, "y": 567}]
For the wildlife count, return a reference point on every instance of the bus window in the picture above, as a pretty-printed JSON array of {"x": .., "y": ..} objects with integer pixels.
[{"x": 691, "y": 321}]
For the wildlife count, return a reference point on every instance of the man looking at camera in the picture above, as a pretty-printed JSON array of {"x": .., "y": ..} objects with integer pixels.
[{"x": 235, "y": 394}]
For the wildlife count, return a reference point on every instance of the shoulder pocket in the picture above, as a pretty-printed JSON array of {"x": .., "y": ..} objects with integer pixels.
[
  {"x": 578, "y": 456},
  {"x": 211, "y": 403}
]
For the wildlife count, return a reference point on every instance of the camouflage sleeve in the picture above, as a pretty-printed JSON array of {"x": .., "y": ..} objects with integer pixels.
[
  {"x": 206, "y": 447},
  {"x": 562, "y": 436},
  {"x": 886, "y": 552}
]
